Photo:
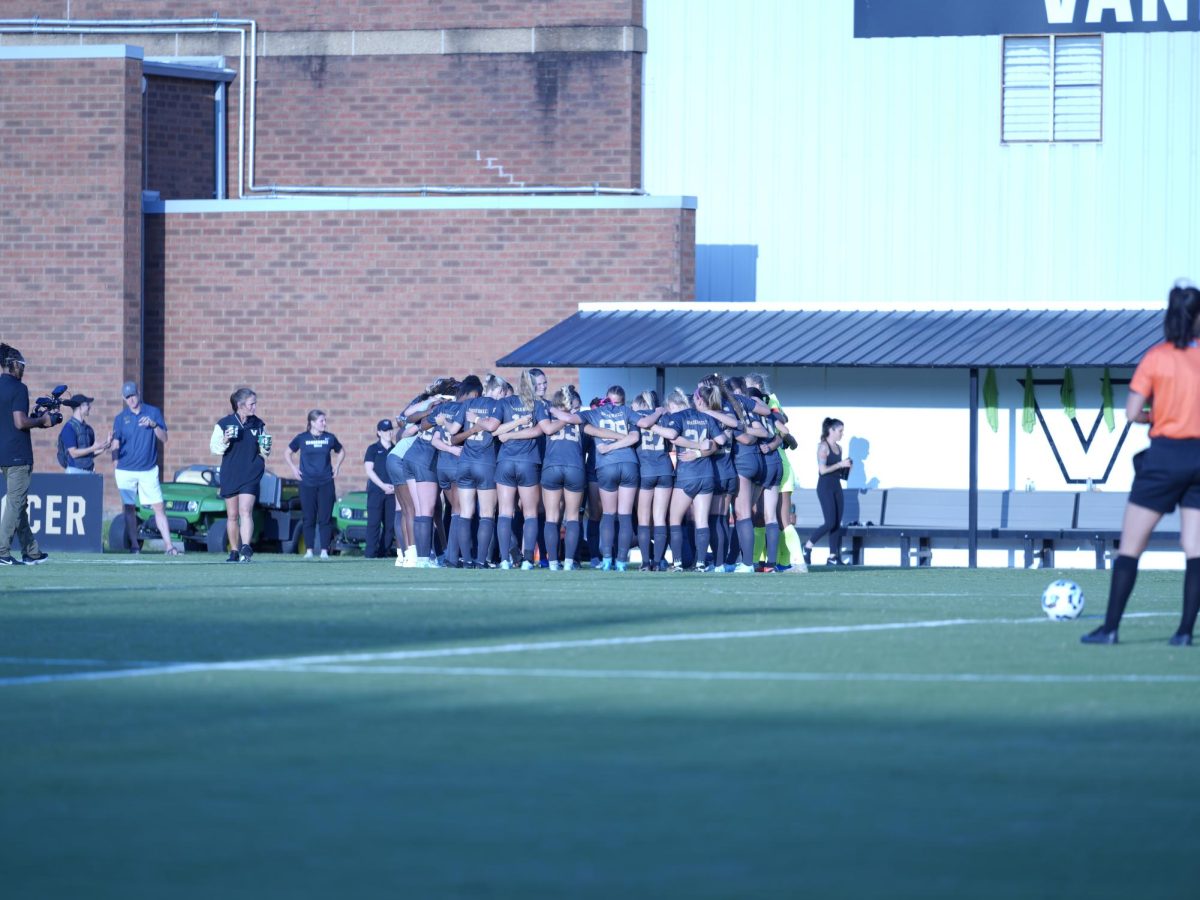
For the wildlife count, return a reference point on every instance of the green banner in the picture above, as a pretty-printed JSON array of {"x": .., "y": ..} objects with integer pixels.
[{"x": 1028, "y": 416}]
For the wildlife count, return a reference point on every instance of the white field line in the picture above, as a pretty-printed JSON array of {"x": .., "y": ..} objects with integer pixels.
[
  {"x": 181, "y": 668},
  {"x": 685, "y": 675}
]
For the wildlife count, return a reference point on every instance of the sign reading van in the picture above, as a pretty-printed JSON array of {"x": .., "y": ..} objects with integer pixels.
[{"x": 934, "y": 18}]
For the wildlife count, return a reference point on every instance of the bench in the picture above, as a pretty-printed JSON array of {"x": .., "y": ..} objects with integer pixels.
[
  {"x": 1098, "y": 518},
  {"x": 912, "y": 519}
]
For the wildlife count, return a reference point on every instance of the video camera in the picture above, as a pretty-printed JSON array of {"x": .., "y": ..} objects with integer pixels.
[{"x": 51, "y": 404}]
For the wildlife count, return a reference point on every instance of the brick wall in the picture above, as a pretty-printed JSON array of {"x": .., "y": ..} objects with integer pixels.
[
  {"x": 180, "y": 142},
  {"x": 553, "y": 118},
  {"x": 70, "y": 232},
  {"x": 355, "y": 312},
  {"x": 371, "y": 15}
]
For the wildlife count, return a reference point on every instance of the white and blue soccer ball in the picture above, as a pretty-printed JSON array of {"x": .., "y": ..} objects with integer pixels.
[{"x": 1062, "y": 600}]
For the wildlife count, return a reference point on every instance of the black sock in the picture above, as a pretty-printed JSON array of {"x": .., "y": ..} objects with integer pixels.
[
  {"x": 719, "y": 537},
  {"x": 1124, "y": 574},
  {"x": 644, "y": 535},
  {"x": 608, "y": 528},
  {"x": 660, "y": 543},
  {"x": 676, "y": 532},
  {"x": 1191, "y": 596},
  {"x": 745, "y": 532},
  {"x": 504, "y": 534},
  {"x": 451, "y": 555},
  {"x": 593, "y": 538},
  {"x": 529, "y": 538},
  {"x": 572, "y": 538},
  {"x": 487, "y": 527},
  {"x": 550, "y": 538},
  {"x": 423, "y": 535},
  {"x": 702, "y": 537},
  {"x": 624, "y": 536},
  {"x": 772, "y": 537}
]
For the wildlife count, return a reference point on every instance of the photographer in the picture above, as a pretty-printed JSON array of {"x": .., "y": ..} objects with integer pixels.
[{"x": 16, "y": 457}]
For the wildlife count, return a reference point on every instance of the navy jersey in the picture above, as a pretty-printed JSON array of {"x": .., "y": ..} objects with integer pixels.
[
  {"x": 692, "y": 425},
  {"x": 620, "y": 419},
  {"x": 482, "y": 445},
  {"x": 139, "y": 446},
  {"x": 242, "y": 461},
  {"x": 565, "y": 447},
  {"x": 422, "y": 452},
  {"x": 449, "y": 411},
  {"x": 377, "y": 455},
  {"x": 513, "y": 408},
  {"x": 315, "y": 451},
  {"x": 747, "y": 404},
  {"x": 652, "y": 452},
  {"x": 78, "y": 435}
]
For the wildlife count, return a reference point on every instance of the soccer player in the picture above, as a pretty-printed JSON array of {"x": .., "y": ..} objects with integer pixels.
[
  {"x": 656, "y": 480},
  {"x": 518, "y": 468},
  {"x": 319, "y": 461},
  {"x": 1165, "y": 394},
  {"x": 475, "y": 422},
  {"x": 563, "y": 477},
  {"x": 447, "y": 467},
  {"x": 420, "y": 464},
  {"x": 242, "y": 442},
  {"x": 695, "y": 435}
]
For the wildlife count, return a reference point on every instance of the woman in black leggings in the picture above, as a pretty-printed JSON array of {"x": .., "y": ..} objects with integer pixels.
[{"x": 831, "y": 469}]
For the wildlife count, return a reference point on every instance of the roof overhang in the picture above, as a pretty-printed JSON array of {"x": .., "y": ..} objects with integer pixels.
[{"x": 944, "y": 338}]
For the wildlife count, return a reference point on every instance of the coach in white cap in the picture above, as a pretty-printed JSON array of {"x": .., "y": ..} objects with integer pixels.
[{"x": 137, "y": 429}]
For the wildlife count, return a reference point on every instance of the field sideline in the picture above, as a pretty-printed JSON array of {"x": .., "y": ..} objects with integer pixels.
[{"x": 188, "y": 728}]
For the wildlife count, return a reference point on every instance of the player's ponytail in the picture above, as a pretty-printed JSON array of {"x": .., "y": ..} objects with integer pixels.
[
  {"x": 525, "y": 389},
  {"x": 1182, "y": 321},
  {"x": 678, "y": 397}
]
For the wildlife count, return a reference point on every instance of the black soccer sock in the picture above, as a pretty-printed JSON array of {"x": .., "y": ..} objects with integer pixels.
[
  {"x": 423, "y": 535},
  {"x": 529, "y": 538},
  {"x": 772, "y": 536},
  {"x": 398, "y": 528},
  {"x": 487, "y": 527},
  {"x": 464, "y": 538},
  {"x": 450, "y": 557},
  {"x": 624, "y": 536},
  {"x": 572, "y": 536},
  {"x": 593, "y": 538},
  {"x": 660, "y": 543},
  {"x": 608, "y": 527},
  {"x": 719, "y": 537},
  {"x": 691, "y": 553},
  {"x": 504, "y": 535},
  {"x": 676, "y": 532},
  {"x": 745, "y": 532},
  {"x": 643, "y": 538},
  {"x": 1191, "y": 596},
  {"x": 702, "y": 536},
  {"x": 1124, "y": 574},
  {"x": 550, "y": 539}
]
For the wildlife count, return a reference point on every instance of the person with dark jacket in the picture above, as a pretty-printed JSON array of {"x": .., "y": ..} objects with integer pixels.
[
  {"x": 381, "y": 493},
  {"x": 242, "y": 442},
  {"x": 16, "y": 458}
]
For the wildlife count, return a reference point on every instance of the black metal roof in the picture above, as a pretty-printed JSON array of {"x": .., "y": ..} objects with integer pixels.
[{"x": 765, "y": 337}]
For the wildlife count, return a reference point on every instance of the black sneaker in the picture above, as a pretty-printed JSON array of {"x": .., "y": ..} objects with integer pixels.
[
  {"x": 35, "y": 559},
  {"x": 9, "y": 561},
  {"x": 1099, "y": 636},
  {"x": 233, "y": 556},
  {"x": 1180, "y": 640},
  {"x": 245, "y": 553}
]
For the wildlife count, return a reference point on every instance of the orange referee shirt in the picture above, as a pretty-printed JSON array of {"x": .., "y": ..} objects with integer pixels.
[{"x": 1170, "y": 378}]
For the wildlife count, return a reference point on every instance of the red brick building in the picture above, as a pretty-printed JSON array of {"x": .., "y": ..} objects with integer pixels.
[{"x": 331, "y": 203}]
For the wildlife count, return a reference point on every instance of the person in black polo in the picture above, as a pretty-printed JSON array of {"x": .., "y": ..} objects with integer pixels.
[
  {"x": 16, "y": 458},
  {"x": 320, "y": 460},
  {"x": 77, "y": 444},
  {"x": 242, "y": 442},
  {"x": 381, "y": 495}
]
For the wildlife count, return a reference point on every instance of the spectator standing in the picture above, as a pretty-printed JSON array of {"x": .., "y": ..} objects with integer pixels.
[
  {"x": 136, "y": 431},
  {"x": 242, "y": 442},
  {"x": 77, "y": 444},
  {"x": 381, "y": 493},
  {"x": 317, "y": 465}
]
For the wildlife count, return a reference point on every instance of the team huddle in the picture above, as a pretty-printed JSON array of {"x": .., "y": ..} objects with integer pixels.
[{"x": 526, "y": 476}]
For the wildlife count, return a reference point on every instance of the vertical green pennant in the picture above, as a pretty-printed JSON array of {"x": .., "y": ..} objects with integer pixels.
[
  {"x": 1067, "y": 393},
  {"x": 991, "y": 400},
  {"x": 1028, "y": 416},
  {"x": 1106, "y": 403}
]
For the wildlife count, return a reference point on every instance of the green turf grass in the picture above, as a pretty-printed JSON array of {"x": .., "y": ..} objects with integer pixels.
[{"x": 992, "y": 758}]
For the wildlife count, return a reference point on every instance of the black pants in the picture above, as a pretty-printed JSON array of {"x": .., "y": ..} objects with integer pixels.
[
  {"x": 317, "y": 502},
  {"x": 833, "y": 504},
  {"x": 381, "y": 533}
]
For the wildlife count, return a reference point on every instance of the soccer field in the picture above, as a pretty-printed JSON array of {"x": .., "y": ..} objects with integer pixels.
[{"x": 187, "y": 728}]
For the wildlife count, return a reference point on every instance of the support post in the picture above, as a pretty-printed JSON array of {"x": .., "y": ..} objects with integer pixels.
[{"x": 973, "y": 478}]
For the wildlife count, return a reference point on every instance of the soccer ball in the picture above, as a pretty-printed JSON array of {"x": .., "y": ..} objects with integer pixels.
[{"x": 1062, "y": 600}]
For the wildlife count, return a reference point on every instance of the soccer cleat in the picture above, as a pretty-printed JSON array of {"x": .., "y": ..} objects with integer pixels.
[
  {"x": 677, "y": 567},
  {"x": 399, "y": 560},
  {"x": 568, "y": 565},
  {"x": 308, "y": 555},
  {"x": 527, "y": 566},
  {"x": 606, "y": 564},
  {"x": 555, "y": 565},
  {"x": 648, "y": 567},
  {"x": 9, "y": 561},
  {"x": 233, "y": 557},
  {"x": 792, "y": 570},
  {"x": 245, "y": 553},
  {"x": 742, "y": 569},
  {"x": 1180, "y": 640},
  {"x": 544, "y": 564},
  {"x": 1099, "y": 636},
  {"x": 808, "y": 556},
  {"x": 596, "y": 562},
  {"x": 35, "y": 559},
  {"x": 834, "y": 561},
  {"x": 620, "y": 566},
  {"x": 505, "y": 564},
  {"x": 324, "y": 554}
]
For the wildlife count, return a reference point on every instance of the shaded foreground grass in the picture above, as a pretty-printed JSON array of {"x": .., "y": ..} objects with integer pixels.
[{"x": 620, "y": 769}]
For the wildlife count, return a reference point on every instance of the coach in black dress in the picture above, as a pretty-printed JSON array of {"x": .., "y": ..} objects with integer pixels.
[{"x": 242, "y": 441}]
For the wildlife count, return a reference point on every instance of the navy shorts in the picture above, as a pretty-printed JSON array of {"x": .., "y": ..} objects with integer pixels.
[
  {"x": 476, "y": 473},
  {"x": 727, "y": 485},
  {"x": 694, "y": 486},
  {"x": 1167, "y": 474},
  {"x": 517, "y": 472},
  {"x": 749, "y": 464},
  {"x": 420, "y": 469},
  {"x": 661, "y": 480},
  {"x": 620, "y": 475},
  {"x": 773, "y": 469},
  {"x": 563, "y": 478},
  {"x": 397, "y": 472},
  {"x": 447, "y": 470}
]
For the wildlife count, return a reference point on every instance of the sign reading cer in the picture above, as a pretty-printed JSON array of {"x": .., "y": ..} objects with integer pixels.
[{"x": 66, "y": 512}]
